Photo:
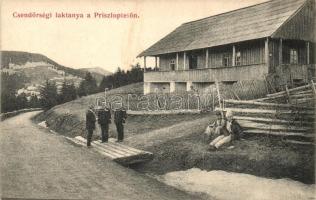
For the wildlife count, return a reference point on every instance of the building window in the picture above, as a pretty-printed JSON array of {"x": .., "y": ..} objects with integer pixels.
[
  {"x": 172, "y": 64},
  {"x": 226, "y": 60},
  {"x": 293, "y": 56},
  {"x": 238, "y": 58}
]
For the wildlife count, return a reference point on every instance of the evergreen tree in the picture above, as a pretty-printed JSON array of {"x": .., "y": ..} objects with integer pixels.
[
  {"x": 91, "y": 84},
  {"x": 81, "y": 91},
  {"x": 49, "y": 95},
  {"x": 68, "y": 92},
  {"x": 10, "y": 83},
  {"x": 21, "y": 101},
  {"x": 106, "y": 83},
  {"x": 34, "y": 102},
  {"x": 88, "y": 85}
]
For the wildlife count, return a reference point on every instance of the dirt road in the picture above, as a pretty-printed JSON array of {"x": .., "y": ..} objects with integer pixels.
[{"x": 36, "y": 164}]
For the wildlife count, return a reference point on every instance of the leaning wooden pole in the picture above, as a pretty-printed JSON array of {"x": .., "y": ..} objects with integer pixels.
[
  {"x": 219, "y": 97},
  {"x": 288, "y": 94}
]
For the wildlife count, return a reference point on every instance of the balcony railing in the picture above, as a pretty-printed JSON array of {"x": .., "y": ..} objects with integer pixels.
[{"x": 250, "y": 72}]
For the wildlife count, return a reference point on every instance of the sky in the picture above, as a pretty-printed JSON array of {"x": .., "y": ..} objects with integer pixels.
[{"x": 105, "y": 42}]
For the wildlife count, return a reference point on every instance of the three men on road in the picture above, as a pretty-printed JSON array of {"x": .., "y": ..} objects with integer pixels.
[{"x": 103, "y": 116}]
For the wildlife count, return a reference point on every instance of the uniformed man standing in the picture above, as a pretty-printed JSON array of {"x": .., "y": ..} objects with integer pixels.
[
  {"x": 104, "y": 119},
  {"x": 119, "y": 119},
  {"x": 90, "y": 124}
]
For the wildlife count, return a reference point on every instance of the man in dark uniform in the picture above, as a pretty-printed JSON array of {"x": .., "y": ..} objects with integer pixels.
[
  {"x": 104, "y": 119},
  {"x": 90, "y": 124},
  {"x": 119, "y": 119}
]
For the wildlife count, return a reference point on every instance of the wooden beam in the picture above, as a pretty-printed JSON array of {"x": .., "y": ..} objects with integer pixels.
[
  {"x": 231, "y": 101},
  {"x": 305, "y": 93},
  {"x": 144, "y": 63},
  {"x": 156, "y": 65},
  {"x": 278, "y": 133},
  {"x": 177, "y": 61},
  {"x": 219, "y": 98},
  {"x": 299, "y": 142},
  {"x": 263, "y": 126},
  {"x": 272, "y": 120},
  {"x": 281, "y": 52},
  {"x": 266, "y": 52},
  {"x": 307, "y": 53},
  {"x": 234, "y": 56},
  {"x": 288, "y": 94},
  {"x": 264, "y": 111},
  {"x": 184, "y": 60},
  {"x": 290, "y": 90},
  {"x": 206, "y": 58}
]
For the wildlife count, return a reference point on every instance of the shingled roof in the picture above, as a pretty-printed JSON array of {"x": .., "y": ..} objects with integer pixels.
[{"x": 254, "y": 22}]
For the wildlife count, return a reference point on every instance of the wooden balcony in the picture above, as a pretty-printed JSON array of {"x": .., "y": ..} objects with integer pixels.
[{"x": 251, "y": 72}]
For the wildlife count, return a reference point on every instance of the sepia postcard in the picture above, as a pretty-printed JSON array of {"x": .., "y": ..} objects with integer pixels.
[{"x": 157, "y": 99}]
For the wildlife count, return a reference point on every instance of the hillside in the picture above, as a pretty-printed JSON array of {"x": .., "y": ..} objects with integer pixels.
[
  {"x": 97, "y": 72},
  {"x": 22, "y": 58}
]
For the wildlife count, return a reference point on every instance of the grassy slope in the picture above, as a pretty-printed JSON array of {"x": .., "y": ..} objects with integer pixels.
[
  {"x": 184, "y": 146},
  {"x": 69, "y": 118},
  {"x": 178, "y": 143}
]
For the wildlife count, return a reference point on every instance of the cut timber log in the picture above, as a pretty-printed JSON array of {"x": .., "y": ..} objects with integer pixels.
[
  {"x": 288, "y": 94},
  {"x": 117, "y": 152},
  {"x": 261, "y": 126},
  {"x": 279, "y": 133},
  {"x": 270, "y": 98},
  {"x": 306, "y": 95},
  {"x": 304, "y": 100},
  {"x": 272, "y": 120},
  {"x": 299, "y": 142},
  {"x": 290, "y": 90},
  {"x": 231, "y": 101},
  {"x": 303, "y": 92},
  {"x": 296, "y": 94},
  {"x": 264, "y": 111}
]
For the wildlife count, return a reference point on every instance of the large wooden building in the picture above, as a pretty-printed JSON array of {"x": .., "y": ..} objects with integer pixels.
[{"x": 274, "y": 40}]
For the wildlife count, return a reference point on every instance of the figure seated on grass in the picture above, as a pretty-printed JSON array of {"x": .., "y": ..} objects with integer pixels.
[
  {"x": 214, "y": 129},
  {"x": 232, "y": 131}
]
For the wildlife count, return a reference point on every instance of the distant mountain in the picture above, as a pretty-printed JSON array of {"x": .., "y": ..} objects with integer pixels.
[{"x": 97, "y": 72}]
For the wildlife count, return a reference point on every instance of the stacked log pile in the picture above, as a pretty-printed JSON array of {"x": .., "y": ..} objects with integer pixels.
[{"x": 289, "y": 114}]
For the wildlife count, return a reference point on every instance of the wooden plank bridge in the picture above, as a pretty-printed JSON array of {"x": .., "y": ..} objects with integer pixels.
[{"x": 115, "y": 151}]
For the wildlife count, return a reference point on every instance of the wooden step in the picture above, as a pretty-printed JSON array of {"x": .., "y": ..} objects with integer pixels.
[
  {"x": 279, "y": 133},
  {"x": 117, "y": 152},
  {"x": 274, "y": 127}
]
